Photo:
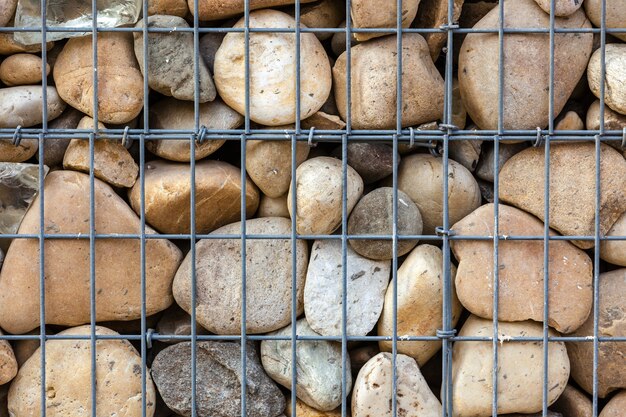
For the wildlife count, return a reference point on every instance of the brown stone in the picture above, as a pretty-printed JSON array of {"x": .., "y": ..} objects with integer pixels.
[
  {"x": 561, "y": 7},
  {"x": 22, "y": 69},
  {"x": 323, "y": 121},
  {"x": 67, "y": 261},
  {"x": 432, "y": 14},
  {"x": 303, "y": 410},
  {"x": 612, "y": 120},
  {"x": 573, "y": 403},
  {"x": 370, "y": 14},
  {"x": 168, "y": 7},
  {"x": 176, "y": 322},
  {"x": 485, "y": 170},
  {"x": 569, "y": 121},
  {"x": 615, "y": 14},
  {"x": 273, "y": 207},
  {"x": 465, "y": 152},
  {"x": 54, "y": 149},
  {"x": 9, "y": 46},
  {"x": 321, "y": 14},
  {"x": 614, "y": 251},
  {"x": 373, "y": 161},
  {"x": 615, "y": 407},
  {"x": 8, "y": 363},
  {"x": 20, "y": 153},
  {"x": 7, "y": 10},
  {"x": 168, "y": 192},
  {"x": 572, "y": 185},
  {"x": 221, "y": 9}
]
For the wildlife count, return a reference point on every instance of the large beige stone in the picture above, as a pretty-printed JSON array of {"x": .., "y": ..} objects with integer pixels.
[
  {"x": 615, "y": 79},
  {"x": 220, "y": 9},
  {"x": 8, "y": 363},
  {"x": 67, "y": 261},
  {"x": 615, "y": 14},
  {"x": 370, "y": 14},
  {"x": 615, "y": 407},
  {"x": 520, "y": 369},
  {"x": 168, "y": 190},
  {"x": 526, "y": 75},
  {"x": 521, "y": 274},
  {"x": 572, "y": 187},
  {"x": 419, "y": 306},
  {"x": 612, "y": 323},
  {"x": 68, "y": 378},
  {"x": 573, "y": 403},
  {"x": 614, "y": 251}
]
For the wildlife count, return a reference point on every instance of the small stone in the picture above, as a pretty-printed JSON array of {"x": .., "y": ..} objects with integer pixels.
[
  {"x": 373, "y": 215},
  {"x": 303, "y": 410},
  {"x": 8, "y": 364},
  {"x": 68, "y": 373},
  {"x": 366, "y": 285},
  {"x": 370, "y": 14},
  {"x": 465, "y": 152},
  {"x": 484, "y": 169},
  {"x": 372, "y": 393},
  {"x": 419, "y": 305},
  {"x": 338, "y": 41},
  {"x": 373, "y": 161},
  {"x": 24, "y": 349},
  {"x": 520, "y": 369},
  {"x": 360, "y": 355},
  {"x": 54, "y": 149},
  {"x": 318, "y": 367},
  {"x": 612, "y": 120},
  {"x": 612, "y": 323},
  {"x": 615, "y": 79},
  {"x": 20, "y": 153},
  {"x": 614, "y": 251},
  {"x": 19, "y": 184},
  {"x": 221, "y": 9},
  {"x": 432, "y": 14},
  {"x": 209, "y": 44},
  {"x": 21, "y": 106},
  {"x": 572, "y": 167},
  {"x": 167, "y": 187},
  {"x": 273, "y": 207},
  {"x": 615, "y": 407},
  {"x": 570, "y": 121},
  {"x": 171, "y": 69},
  {"x": 22, "y": 69},
  {"x": 9, "y": 46},
  {"x": 321, "y": 14},
  {"x": 562, "y": 8},
  {"x": 614, "y": 18},
  {"x": 520, "y": 265},
  {"x": 268, "y": 279},
  {"x": 486, "y": 190},
  {"x": 176, "y": 322},
  {"x": 323, "y": 121},
  {"x": 573, "y": 403},
  {"x": 168, "y": 7},
  {"x": 7, "y": 11}
]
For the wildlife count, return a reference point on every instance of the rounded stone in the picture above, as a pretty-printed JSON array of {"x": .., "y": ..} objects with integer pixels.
[
  {"x": 20, "y": 153},
  {"x": 22, "y": 69},
  {"x": 614, "y": 251},
  {"x": 370, "y": 14},
  {"x": 615, "y": 78},
  {"x": 54, "y": 149},
  {"x": 21, "y": 106},
  {"x": 272, "y": 71},
  {"x": 321, "y": 14},
  {"x": 8, "y": 363},
  {"x": 573, "y": 403},
  {"x": 168, "y": 7},
  {"x": 7, "y": 11},
  {"x": 273, "y": 207},
  {"x": 612, "y": 120},
  {"x": 303, "y": 410},
  {"x": 373, "y": 161},
  {"x": 221, "y": 9},
  {"x": 615, "y": 14},
  {"x": 373, "y": 215},
  {"x": 562, "y": 8},
  {"x": 615, "y": 407}
]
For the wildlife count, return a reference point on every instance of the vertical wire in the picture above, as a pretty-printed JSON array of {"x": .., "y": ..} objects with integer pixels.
[
  {"x": 146, "y": 63},
  {"x": 92, "y": 272}
]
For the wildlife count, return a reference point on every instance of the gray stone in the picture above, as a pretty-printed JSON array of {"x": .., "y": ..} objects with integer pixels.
[
  {"x": 54, "y": 149},
  {"x": 373, "y": 161},
  {"x": 465, "y": 152},
  {"x": 19, "y": 184},
  {"x": 209, "y": 44},
  {"x": 318, "y": 367},
  {"x": 484, "y": 169},
  {"x": 21, "y": 106}
]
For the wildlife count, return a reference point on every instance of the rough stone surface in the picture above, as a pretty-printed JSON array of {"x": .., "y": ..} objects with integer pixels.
[
  {"x": 171, "y": 69},
  {"x": 615, "y": 81},
  {"x": 268, "y": 283},
  {"x": 372, "y": 161},
  {"x": 526, "y": 78},
  {"x": 614, "y": 251},
  {"x": 168, "y": 191},
  {"x": 612, "y": 120},
  {"x": 615, "y": 14},
  {"x": 303, "y": 410},
  {"x": 22, "y": 69},
  {"x": 612, "y": 323},
  {"x": 120, "y": 83},
  {"x": 8, "y": 364},
  {"x": 19, "y": 184},
  {"x": 220, "y": 9},
  {"x": 319, "y": 195},
  {"x": 366, "y": 285},
  {"x": 7, "y": 10},
  {"x": 420, "y": 289},
  {"x": 168, "y": 7},
  {"x": 373, "y": 87},
  {"x": 370, "y": 14},
  {"x": 67, "y": 261},
  {"x": 21, "y": 106},
  {"x": 273, "y": 207},
  {"x": 318, "y": 367},
  {"x": 68, "y": 373},
  {"x": 54, "y": 149},
  {"x": 573, "y": 403},
  {"x": 572, "y": 185},
  {"x": 615, "y": 407},
  {"x": 373, "y": 215},
  {"x": 218, "y": 379},
  {"x": 520, "y": 369},
  {"x": 484, "y": 169},
  {"x": 323, "y": 121},
  {"x": 432, "y": 14},
  {"x": 272, "y": 71},
  {"x": 372, "y": 389}
]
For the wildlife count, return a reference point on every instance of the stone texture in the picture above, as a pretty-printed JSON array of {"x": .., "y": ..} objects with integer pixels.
[
  {"x": 484, "y": 169},
  {"x": 209, "y": 44},
  {"x": 569, "y": 121},
  {"x": 176, "y": 322},
  {"x": 372, "y": 161},
  {"x": 323, "y": 296},
  {"x": 323, "y": 121},
  {"x": 220, "y": 9},
  {"x": 321, "y": 14},
  {"x": 273, "y": 207},
  {"x": 68, "y": 373},
  {"x": 21, "y": 106},
  {"x": 22, "y": 69},
  {"x": 432, "y": 14},
  {"x": 54, "y": 149},
  {"x": 561, "y": 7},
  {"x": 168, "y": 7},
  {"x": 8, "y": 364},
  {"x": 373, "y": 215},
  {"x": 615, "y": 407},
  {"x": 9, "y": 46},
  {"x": 171, "y": 69},
  {"x": 615, "y": 81},
  {"x": 20, "y": 153},
  {"x": 612, "y": 120},
  {"x": 360, "y": 355},
  {"x": 167, "y": 188},
  {"x": 268, "y": 283},
  {"x": 272, "y": 71},
  {"x": 7, "y": 10},
  {"x": 615, "y": 14},
  {"x": 520, "y": 369},
  {"x": 120, "y": 83},
  {"x": 318, "y": 367},
  {"x": 420, "y": 289},
  {"x": 19, "y": 184},
  {"x": 218, "y": 379},
  {"x": 372, "y": 389},
  {"x": 67, "y": 261},
  {"x": 614, "y": 251},
  {"x": 465, "y": 152},
  {"x": 521, "y": 274},
  {"x": 370, "y": 14},
  {"x": 373, "y": 87},
  {"x": 612, "y": 323},
  {"x": 526, "y": 76},
  {"x": 24, "y": 349},
  {"x": 303, "y": 410},
  {"x": 572, "y": 185},
  {"x": 573, "y": 403},
  {"x": 319, "y": 195}
]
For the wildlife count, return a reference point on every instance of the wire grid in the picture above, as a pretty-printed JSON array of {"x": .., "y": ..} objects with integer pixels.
[{"x": 435, "y": 140}]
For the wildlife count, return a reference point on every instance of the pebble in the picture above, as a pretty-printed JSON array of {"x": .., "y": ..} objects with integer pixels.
[
  {"x": 321, "y": 14},
  {"x": 323, "y": 121},
  {"x": 21, "y": 106},
  {"x": 573, "y": 403},
  {"x": 372, "y": 393},
  {"x": 273, "y": 207},
  {"x": 218, "y": 379},
  {"x": 54, "y": 149},
  {"x": 20, "y": 153},
  {"x": 168, "y": 7},
  {"x": 614, "y": 18},
  {"x": 616, "y": 406},
  {"x": 484, "y": 169},
  {"x": 419, "y": 305},
  {"x": 372, "y": 161},
  {"x": 374, "y": 72},
  {"x": 272, "y": 71},
  {"x": 612, "y": 120},
  {"x": 8, "y": 363},
  {"x": 527, "y": 77},
  {"x": 614, "y": 251},
  {"x": 572, "y": 167},
  {"x": 68, "y": 261},
  {"x": 268, "y": 285},
  {"x": 303, "y": 410},
  {"x": 221, "y": 9},
  {"x": 373, "y": 215},
  {"x": 209, "y": 44},
  {"x": 612, "y": 323},
  {"x": 615, "y": 81},
  {"x": 562, "y": 8},
  {"x": 521, "y": 273},
  {"x": 360, "y": 355},
  {"x": 19, "y": 184},
  {"x": 319, "y": 195},
  {"x": 370, "y": 14},
  {"x": 167, "y": 187},
  {"x": 520, "y": 369},
  {"x": 22, "y": 69},
  {"x": 7, "y": 10},
  {"x": 171, "y": 69},
  {"x": 318, "y": 367},
  {"x": 569, "y": 121},
  {"x": 465, "y": 152},
  {"x": 432, "y": 14},
  {"x": 323, "y": 296},
  {"x": 120, "y": 83},
  {"x": 68, "y": 373}
]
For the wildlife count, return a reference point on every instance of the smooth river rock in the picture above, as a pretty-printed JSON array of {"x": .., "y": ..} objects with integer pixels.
[
  {"x": 573, "y": 403},
  {"x": 303, "y": 410},
  {"x": 67, "y": 261},
  {"x": 561, "y": 7},
  {"x": 614, "y": 251},
  {"x": 485, "y": 168},
  {"x": 323, "y": 296},
  {"x": 8, "y": 363},
  {"x": 615, "y": 78},
  {"x": 318, "y": 367},
  {"x": 273, "y": 207},
  {"x": 370, "y": 14},
  {"x": 268, "y": 283},
  {"x": 54, "y": 149},
  {"x": 7, "y": 11},
  {"x": 520, "y": 369},
  {"x": 372, "y": 161},
  {"x": 22, "y": 69},
  {"x": 432, "y": 14},
  {"x": 21, "y": 106},
  {"x": 612, "y": 119},
  {"x": 168, "y": 7},
  {"x": 20, "y": 153},
  {"x": 615, "y": 407},
  {"x": 221, "y": 9},
  {"x": 615, "y": 14}
]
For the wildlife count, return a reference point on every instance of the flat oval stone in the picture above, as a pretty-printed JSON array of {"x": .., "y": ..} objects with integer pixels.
[
  {"x": 67, "y": 261},
  {"x": 616, "y": 406},
  {"x": 615, "y": 81},
  {"x": 614, "y": 251},
  {"x": 21, "y": 106},
  {"x": 318, "y": 366},
  {"x": 220, "y": 9},
  {"x": 8, "y": 363},
  {"x": 366, "y": 285},
  {"x": 20, "y": 153},
  {"x": 268, "y": 283},
  {"x": 167, "y": 187},
  {"x": 304, "y": 410},
  {"x": 22, "y": 69},
  {"x": 370, "y": 14},
  {"x": 615, "y": 14}
]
